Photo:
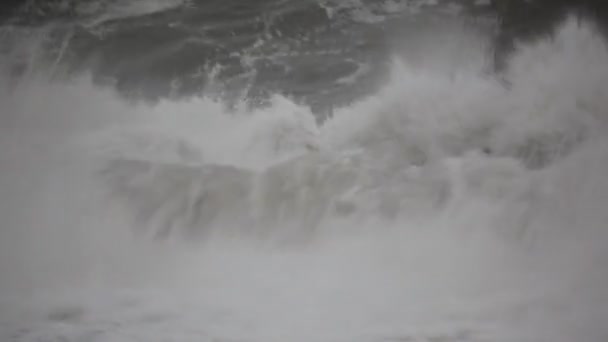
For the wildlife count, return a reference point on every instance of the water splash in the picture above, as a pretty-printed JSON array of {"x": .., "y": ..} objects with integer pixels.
[{"x": 425, "y": 212}]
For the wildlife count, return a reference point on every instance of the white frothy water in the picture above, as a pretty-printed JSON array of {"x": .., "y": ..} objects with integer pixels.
[{"x": 447, "y": 207}]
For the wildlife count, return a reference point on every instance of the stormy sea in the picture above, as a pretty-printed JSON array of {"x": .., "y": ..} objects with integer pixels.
[{"x": 303, "y": 171}]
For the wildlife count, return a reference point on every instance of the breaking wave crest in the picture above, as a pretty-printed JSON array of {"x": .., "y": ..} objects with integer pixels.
[{"x": 428, "y": 140}]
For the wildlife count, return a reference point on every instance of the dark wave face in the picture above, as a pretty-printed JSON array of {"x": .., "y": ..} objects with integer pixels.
[{"x": 323, "y": 53}]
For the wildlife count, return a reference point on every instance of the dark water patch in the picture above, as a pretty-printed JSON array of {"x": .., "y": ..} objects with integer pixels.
[
  {"x": 289, "y": 47},
  {"x": 66, "y": 314},
  {"x": 301, "y": 49},
  {"x": 523, "y": 20}
]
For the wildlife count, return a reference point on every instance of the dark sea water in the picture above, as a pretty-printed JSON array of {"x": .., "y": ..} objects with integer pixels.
[
  {"x": 303, "y": 170},
  {"x": 322, "y": 53}
]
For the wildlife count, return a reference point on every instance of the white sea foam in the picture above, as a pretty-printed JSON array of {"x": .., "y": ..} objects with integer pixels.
[{"x": 447, "y": 206}]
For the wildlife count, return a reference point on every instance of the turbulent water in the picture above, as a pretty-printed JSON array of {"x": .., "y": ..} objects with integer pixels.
[{"x": 299, "y": 171}]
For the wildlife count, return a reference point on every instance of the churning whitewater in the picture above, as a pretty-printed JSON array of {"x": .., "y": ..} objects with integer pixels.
[{"x": 451, "y": 204}]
